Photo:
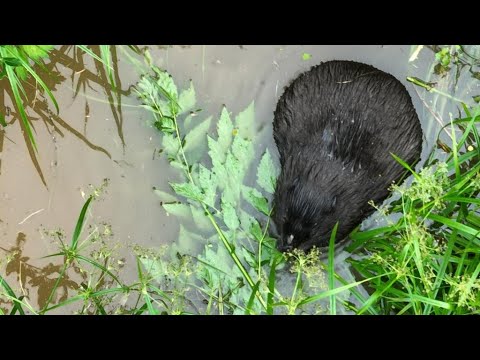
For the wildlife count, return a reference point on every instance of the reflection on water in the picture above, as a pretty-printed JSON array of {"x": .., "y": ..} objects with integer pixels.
[{"x": 104, "y": 116}]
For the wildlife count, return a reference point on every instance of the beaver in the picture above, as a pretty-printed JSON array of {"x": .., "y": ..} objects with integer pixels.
[{"x": 335, "y": 127}]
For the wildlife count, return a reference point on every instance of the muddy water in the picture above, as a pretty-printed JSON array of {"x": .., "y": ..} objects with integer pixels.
[{"x": 90, "y": 140}]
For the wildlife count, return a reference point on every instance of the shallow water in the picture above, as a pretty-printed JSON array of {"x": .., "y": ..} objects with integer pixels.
[{"x": 106, "y": 142}]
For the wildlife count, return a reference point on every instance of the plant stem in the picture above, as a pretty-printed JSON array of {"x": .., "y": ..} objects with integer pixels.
[{"x": 225, "y": 241}]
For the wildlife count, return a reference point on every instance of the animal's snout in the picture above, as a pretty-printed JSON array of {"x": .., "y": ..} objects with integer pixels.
[{"x": 286, "y": 243}]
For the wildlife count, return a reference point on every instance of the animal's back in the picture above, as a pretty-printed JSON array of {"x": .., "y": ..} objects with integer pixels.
[{"x": 335, "y": 127}]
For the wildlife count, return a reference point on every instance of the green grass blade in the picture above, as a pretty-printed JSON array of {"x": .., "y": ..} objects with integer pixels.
[
  {"x": 2, "y": 120},
  {"x": 107, "y": 60},
  {"x": 97, "y": 265},
  {"x": 462, "y": 199},
  {"x": 248, "y": 310},
  {"x": 54, "y": 289},
  {"x": 455, "y": 225},
  {"x": 86, "y": 50},
  {"x": 271, "y": 286},
  {"x": 15, "y": 84},
  {"x": 331, "y": 270},
  {"x": 32, "y": 72},
  {"x": 338, "y": 290},
  {"x": 376, "y": 295},
  {"x": 79, "y": 225},
  {"x": 405, "y": 165},
  {"x": 64, "y": 303},
  {"x": 16, "y": 304},
  {"x": 433, "y": 302}
]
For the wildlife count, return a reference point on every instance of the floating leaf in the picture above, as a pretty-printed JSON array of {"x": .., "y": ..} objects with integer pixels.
[
  {"x": 164, "y": 196},
  {"x": 200, "y": 219},
  {"x": 195, "y": 141},
  {"x": 245, "y": 122},
  {"x": 230, "y": 216},
  {"x": 188, "y": 190},
  {"x": 208, "y": 183},
  {"x": 243, "y": 151},
  {"x": 170, "y": 145},
  {"x": 187, "y": 100},
  {"x": 218, "y": 167},
  {"x": 246, "y": 220},
  {"x": 267, "y": 173},
  {"x": 188, "y": 242},
  {"x": 225, "y": 133},
  {"x": 177, "y": 209}
]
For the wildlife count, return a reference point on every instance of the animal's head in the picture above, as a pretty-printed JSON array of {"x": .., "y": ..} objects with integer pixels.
[{"x": 304, "y": 216}]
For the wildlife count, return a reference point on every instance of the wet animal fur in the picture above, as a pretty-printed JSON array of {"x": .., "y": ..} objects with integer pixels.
[{"x": 335, "y": 127}]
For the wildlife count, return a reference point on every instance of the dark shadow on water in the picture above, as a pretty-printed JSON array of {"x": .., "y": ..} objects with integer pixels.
[{"x": 31, "y": 277}]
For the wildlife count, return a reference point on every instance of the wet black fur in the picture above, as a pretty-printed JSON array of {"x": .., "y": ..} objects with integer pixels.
[{"x": 335, "y": 127}]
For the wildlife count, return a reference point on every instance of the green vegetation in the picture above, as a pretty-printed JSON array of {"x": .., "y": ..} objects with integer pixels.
[
  {"x": 423, "y": 257},
  {"x": 19, "y": 64}
]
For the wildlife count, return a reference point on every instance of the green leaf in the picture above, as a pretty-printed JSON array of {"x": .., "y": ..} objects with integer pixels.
[
  {"x": 165, "y": 82},
  {"x": 256, "y": 231},
  {"x": 230, "y": 216},
  {"x": 255, "y": 198},
  {"x": 243, "y": 151},
  {"x": 15, "y": 86},
  {"x": 208, "y": 182},
  {"x": 249, "y": 257},
  {"x": 225, "y": 133},
  {"x": 79, "y": 225},
  {"x": 306, "y": 56},
  {"x": 165, "y": 197},
  {"x": 170, "y": 145},
  {"x": 218, "y": 168},
  {"x": 9, "y": 291},
  {"x": 195, "y": 143},
  {"x": 21, "y": 72},
  {"x": 246, "y": 220},
  {"x": 200, "y": 219},
  {"x": 2, "y": 120},
  {"x": 188, "y": 190},
  {"x": 455, "y": 225},
  {"x": 188, "y": 242},
  {"x": 88, "y": 51},
  {"x": 331, "y": 270},
  {"x": 32, "y": 72},
  {"x": 178, "y": 209},
  {"x": 248, "y": 310},
  {"x": 187, "y": 100},
  {"x": 36, "y": 52},
  {"x": 245, "y": 122},
  {"x": 267, "y": 173},
  {"x": 12, "y": 61}
]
